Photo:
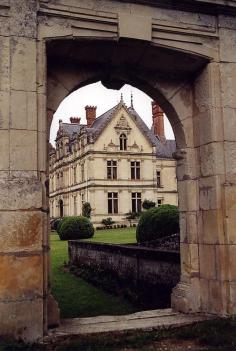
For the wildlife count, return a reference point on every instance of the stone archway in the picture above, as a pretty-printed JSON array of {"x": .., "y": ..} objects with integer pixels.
[{"x": 182, "y": 57}]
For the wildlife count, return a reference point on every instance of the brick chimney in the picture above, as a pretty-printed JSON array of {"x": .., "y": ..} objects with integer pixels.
[
  {"x": 90, "y": 114},
  {"x": 75, "y": 120},
  {"x": 158, "y": 120}
]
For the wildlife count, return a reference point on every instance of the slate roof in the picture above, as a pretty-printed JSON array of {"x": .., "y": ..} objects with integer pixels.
[{"x": 165, "y": 148}]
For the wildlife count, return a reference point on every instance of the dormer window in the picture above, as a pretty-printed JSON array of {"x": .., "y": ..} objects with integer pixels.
[{"x": 123, "y": 142}]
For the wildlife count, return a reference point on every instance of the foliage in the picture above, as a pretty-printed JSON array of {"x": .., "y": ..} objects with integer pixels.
[
  {"x": 130, "y": 216},
  {"x": 54, "y": 223},
  {"x": 86, "y": 210},
  {"x": 158, "y": 222},
  {"x": 148, "y": 204},
  {"x": 108, "y": 221},
  {"x": 76, "y": 227},
  {"x": 59, "y": 224}
]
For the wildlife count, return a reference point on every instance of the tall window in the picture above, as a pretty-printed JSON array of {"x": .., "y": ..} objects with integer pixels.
[
  {"x": 123, "y": 142},
  {"x": 111, "y": 170},
  {"x": 136, "y": 202},
  {"x": 82, "y": 200},
  {"x": 82, "y": 172},
  {"x": 112, "y": 202},
  {"x": 158, "y": 174},
  {"x": 135, "y": 170},
  {"x": 75, "y": 205},
  {"x": 75, "y": 174}
]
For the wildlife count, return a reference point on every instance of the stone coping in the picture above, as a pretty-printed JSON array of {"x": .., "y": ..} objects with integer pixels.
[{"x": 129, "y": 250}]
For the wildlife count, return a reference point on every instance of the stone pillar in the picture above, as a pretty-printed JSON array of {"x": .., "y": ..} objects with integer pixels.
[
  {"x": 206, "y": 252},
  {"x": 23, "y": 206}
]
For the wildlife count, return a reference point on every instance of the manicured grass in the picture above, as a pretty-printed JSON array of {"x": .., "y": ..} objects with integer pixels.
[
  {"x": 77, "y": 298},
  {"x": 115, "y": 236}
]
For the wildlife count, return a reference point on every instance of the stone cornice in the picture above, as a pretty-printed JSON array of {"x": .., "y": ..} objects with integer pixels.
[{"x": 203, "y": 6}]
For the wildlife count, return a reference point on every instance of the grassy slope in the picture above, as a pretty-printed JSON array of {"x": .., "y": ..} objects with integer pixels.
[{"x": 77, "y": 298}]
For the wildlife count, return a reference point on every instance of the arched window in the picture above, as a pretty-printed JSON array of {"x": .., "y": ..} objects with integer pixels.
[
  {"x": 123, "y": 142},
  {"x": 61, "y": 208}
]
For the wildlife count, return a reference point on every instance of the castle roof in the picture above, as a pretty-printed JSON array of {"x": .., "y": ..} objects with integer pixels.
[{"x": 164, "y": 147}]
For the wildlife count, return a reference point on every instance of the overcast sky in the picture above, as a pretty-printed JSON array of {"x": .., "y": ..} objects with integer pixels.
[{"x": 97, "y": 95}]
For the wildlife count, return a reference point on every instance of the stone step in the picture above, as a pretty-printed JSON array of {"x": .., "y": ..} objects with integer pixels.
[{"x": 145, "y": 320}]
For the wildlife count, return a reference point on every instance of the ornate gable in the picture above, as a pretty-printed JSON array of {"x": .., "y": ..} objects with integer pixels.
[{"x": 122, "y": 125}]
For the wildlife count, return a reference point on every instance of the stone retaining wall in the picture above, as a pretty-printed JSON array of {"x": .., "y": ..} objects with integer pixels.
[{"x": 130, "y": 262}]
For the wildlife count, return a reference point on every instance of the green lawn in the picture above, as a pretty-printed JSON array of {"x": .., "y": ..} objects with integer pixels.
[
  {"x": 78, "y": 298},
  {"x": 115, "y": 236}
]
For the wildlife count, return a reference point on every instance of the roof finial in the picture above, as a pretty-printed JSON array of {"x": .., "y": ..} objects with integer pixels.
[
  {"x": 131, "y": 104},
  {"x": 121, "y": 98}
]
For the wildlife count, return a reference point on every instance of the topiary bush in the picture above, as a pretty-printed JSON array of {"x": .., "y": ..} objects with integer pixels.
[
  {"x": 75, "y": 227},
  {"x": 157, "y": 222}
]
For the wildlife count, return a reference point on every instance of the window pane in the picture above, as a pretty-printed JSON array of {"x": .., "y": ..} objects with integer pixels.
[
  {"x": 138, "y": 173},
  {"x": 114, "y": 173},
  {"x": 139, "y": 205},
  {"x": 109, "y": 173},
  {"x": 109, "y": 205},
  {"x": 133, "y": 205},
  {"x": 132, "y": 173},
  {"x": 115, "y": 205}
]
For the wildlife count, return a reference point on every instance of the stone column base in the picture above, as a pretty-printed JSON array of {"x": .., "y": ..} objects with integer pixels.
[
  {"x": 185, "y": 298},
  {"x": 53, "y": 312}
]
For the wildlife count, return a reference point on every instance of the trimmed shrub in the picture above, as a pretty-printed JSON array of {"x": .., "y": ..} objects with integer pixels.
[
  {"x": 86, "y": 210},
  {"x": 157, "y": 222},
  {"x": 61, "y": 220},
  {"x": 108, "y": 222},
  {"x": 148, "y": 204},
  {"x": 74, "y": 228}
]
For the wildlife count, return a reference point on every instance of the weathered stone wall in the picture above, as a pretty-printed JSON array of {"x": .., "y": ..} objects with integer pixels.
[
  {"x": 185, "y": 60},
  {"x": 135, "y": 264}
]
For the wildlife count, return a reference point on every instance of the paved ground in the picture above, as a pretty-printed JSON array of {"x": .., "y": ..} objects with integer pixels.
[{"x": 146, "y": 320}]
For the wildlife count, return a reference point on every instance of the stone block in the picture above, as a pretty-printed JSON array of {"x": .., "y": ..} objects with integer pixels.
[
  {"x": 23, "y": 110},
  {"x": 23, "y": 18},
  {"x": 42, "y": 113},
  {"x": 230, "y": 157},
  {"x": 188, "y": 166},
  {"x": 21, "y": 276},
  {"x": 227, "y": 45},
  {"x": 232, "y": 303},
  {"x": 21, "y": 230},
  {"x": 182, "y": 100},
  {"x": 194, "y": 260},
  {"x": 23, "y": 64},
  {"x": 183, "y": 227},
  {"x": 20, "y": 192},
  {"x": 192, "y": 222},
  {"x": 23, "y": 150},
  {"x": 222, "y": 262},
  {"x": 4, "y": 150},
  {"x": 42, "y": 152},
  {"x": 232, "y": 263},
  {"x": 4, "y": 24},
  {"x": 5, "y": 63},
  {"x": 215, "y": 297},
  {"x": 4, "y": 109},
  {"x": 210, "y": 197},
  {"x": 185, "y": 260},
  {"x": 204, "y": 293},
  {"x": 142, "y": 29},
  {"x": 207, "y": 261},
  {"x": 212, "y": 159},
  {"x": 227, "y": 22},
  {"x": 188, "y": 195},
  {"x": 213, "y": 227},
  {"x": 228, "y": 84},
  {"x": 22, "y": 319},
  {"x": 229, "y": 120}
]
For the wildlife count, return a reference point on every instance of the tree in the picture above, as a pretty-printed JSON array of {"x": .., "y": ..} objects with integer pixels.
[
  {"x": 148, "y": 204},
  {"x": 86, "y": 210}
]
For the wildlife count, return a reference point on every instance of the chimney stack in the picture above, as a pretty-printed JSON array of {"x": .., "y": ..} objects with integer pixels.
[
  {"x": 75, "y": 120},
  {"x": 158, "y": 120},
  {"x": 90, "y": 114}
]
